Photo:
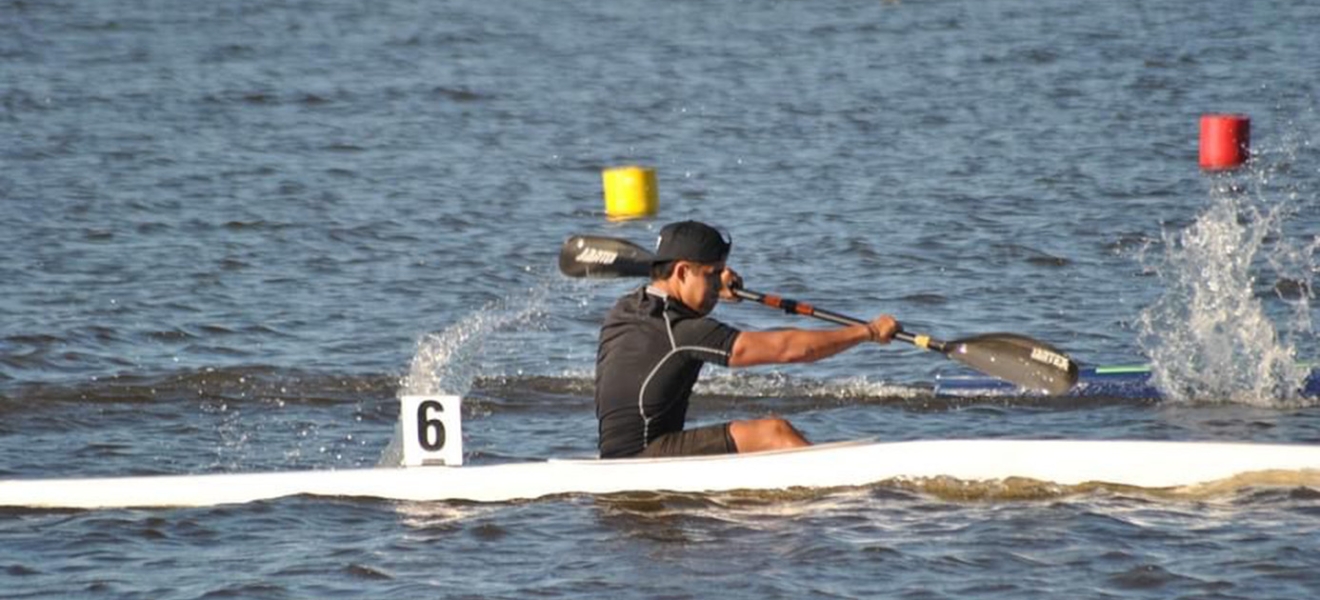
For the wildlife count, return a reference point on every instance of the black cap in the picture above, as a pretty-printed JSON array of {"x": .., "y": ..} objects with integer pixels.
[{"x": 691, "y": 240}]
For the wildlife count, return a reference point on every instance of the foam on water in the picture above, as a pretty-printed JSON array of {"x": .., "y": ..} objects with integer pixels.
[{"x": 1213, "y": 335}]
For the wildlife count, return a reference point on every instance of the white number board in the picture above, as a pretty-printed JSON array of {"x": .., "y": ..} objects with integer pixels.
[{"x": 432, "y": 430}]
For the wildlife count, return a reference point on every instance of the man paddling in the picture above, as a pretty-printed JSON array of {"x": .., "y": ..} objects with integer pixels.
[{"x": 656, "y": 339}]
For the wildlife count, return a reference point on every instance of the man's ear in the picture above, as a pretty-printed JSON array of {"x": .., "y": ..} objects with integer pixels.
[{"x": 682, "y": 269}]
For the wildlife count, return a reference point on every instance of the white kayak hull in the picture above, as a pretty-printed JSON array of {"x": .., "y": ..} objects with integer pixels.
[{"x": 1148, "y": 464}]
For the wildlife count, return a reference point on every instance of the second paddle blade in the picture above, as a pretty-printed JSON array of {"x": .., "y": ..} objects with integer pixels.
[
  {"x": 1029, "y": 363},
  {"x": 599, "y": 257}
]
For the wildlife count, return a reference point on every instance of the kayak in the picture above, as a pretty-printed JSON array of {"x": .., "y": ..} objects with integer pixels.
[
  {"x": 1147, "y": 464},
  {"x": 431, "y": 441},
  {"x": 1128, "y": 382}
]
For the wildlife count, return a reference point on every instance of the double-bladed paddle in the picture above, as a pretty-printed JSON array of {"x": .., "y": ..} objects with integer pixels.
[{"x": 1018, "y": 359}]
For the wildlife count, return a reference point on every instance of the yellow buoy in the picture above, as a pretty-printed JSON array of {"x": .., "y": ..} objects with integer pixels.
[{"x": 630, "y": 192}]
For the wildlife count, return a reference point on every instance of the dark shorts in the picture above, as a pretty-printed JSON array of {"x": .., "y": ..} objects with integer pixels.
[{"x": 712, "y": 439}]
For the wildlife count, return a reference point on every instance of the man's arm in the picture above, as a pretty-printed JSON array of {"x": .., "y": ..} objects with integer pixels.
[{"x": 806, "y": 345}]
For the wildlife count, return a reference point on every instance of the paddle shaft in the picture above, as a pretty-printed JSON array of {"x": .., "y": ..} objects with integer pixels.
[{"x": 795, "y": 307}]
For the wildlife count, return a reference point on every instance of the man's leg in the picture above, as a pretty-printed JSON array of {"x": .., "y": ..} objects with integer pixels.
[
  {"x": 711, "y": 439},
  {"x": 765, "y": 434}
]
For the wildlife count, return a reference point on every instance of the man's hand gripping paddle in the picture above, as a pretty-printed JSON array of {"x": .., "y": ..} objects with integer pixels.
[{"x": 1023, "y": 361}]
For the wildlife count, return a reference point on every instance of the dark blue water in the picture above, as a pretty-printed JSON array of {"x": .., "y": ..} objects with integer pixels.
[{"x": 234, "y": 233}]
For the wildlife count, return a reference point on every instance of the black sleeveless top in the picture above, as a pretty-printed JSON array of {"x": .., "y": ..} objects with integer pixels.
[{"x": 651, "y": 352}]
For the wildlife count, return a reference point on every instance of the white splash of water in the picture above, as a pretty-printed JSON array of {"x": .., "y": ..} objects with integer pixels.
[
  {"x": 447, "y": 362},
  {"x": 1210, "y": 337}
]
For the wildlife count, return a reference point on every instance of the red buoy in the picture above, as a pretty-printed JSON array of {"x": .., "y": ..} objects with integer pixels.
[{"x": 1225, "y": 141}]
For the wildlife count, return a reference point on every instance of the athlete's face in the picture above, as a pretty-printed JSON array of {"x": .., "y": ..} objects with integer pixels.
[{"x": 700, "y": 286}]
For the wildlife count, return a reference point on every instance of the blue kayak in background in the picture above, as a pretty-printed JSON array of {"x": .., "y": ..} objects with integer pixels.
[{"x": 1131, "y": 381}]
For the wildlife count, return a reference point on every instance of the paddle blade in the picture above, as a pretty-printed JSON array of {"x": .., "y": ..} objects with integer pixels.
[
  {"x": 602, "y": 257},
  {"x": 1028, "y": 363}
]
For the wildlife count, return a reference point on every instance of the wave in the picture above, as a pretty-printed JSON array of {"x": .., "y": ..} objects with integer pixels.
[
  {"x": 234, "y": 384},
  {"x": 1263, "y": 487},
  {"x": 1249, "y": 488}
]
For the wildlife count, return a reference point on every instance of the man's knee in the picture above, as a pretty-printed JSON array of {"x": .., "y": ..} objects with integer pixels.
[
  {"x": 779, "y": 428},
  {"x": 764, "y": 429},
  {"x": 765, "y": 434}
]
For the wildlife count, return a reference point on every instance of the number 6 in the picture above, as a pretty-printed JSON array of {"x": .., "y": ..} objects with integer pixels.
[{"x": 430, "y": 431}]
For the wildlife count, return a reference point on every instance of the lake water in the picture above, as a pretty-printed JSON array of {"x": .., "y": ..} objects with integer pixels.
[{"x": 235, "y": 232}]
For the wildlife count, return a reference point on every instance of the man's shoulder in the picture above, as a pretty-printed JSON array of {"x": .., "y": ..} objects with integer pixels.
[
  {"x": 634, "y": 301},
  {"x": 632, "y": 307}
]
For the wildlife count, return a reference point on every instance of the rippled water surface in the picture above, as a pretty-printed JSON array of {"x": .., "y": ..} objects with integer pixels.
[{"x": 235, "y": 232}]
